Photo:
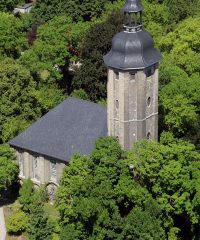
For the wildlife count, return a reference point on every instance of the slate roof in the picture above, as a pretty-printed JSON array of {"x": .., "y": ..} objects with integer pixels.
[
  {"x": 131, "y": 51},
  {"x": 73, "y": 126}
]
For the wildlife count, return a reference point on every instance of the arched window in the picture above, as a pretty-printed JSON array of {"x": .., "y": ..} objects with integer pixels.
[
  {"x": 21, "y": 163},
  {"x": 148, "y": 135},
  {"x": 53, "y": 171},
  {"x": 148, "y": 101},
  {"x": 35, "y": 168}
]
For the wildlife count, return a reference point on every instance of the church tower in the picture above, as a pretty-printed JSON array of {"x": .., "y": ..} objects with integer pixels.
[{"x": 132, "y": 88}]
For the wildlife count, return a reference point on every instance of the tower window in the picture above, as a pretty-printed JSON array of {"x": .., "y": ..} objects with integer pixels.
[
  {"x": 116, "y": 75},
  {"x": 148, "y": 135},
  {"x": 132, "y": 76},
  {"x": 148, "y": 101},
  {"x": 148, "y": 72},
  {"x": 117, "y": 104}
]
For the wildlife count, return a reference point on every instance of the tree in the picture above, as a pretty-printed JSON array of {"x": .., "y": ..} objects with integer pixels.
[
  {"x": 49, "y": 57},
  {"x": 17, "y": 102},
  {"x": 8, "y": 169},
  {"x": 49, "y": 52},
  {"x": 12, "y": 38},
  {"x": 182, "y": 45},
  {"x": 179, "y": 114},
  {"x": 38, "y": 227},
  {"x": 182, "y": 9},
  {"x": 92, "y": 75},
  {"x": 98, "y": 198},
  {"x": 8, "y": 5},
  {"x": 77, "y": 10},
  {"x": 179, "y": 101},
  {"x": 169, "y": 170},
  {"x": 26, "y": 194},
  {"x": 17, "y": 222}
]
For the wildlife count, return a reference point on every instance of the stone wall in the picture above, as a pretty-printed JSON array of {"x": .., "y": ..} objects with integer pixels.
[
  {"x": 133, "y": 105},
  {"x": 40, "y": 169}
]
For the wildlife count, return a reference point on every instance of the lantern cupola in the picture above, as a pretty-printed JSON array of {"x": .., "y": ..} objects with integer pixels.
[{"x": 133, "y": 15}]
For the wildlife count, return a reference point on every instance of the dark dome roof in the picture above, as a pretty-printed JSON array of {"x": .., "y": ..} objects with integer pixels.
[
  {"x": 131, "y": 51},
  {"x": 133, "y": 6}
]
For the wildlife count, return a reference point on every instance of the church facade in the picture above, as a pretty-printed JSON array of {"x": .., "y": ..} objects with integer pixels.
[{"x": 45, "y": 148}]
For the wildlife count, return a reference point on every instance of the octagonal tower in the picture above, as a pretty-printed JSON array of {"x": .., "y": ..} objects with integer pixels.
[{"x": 132, "y": 89}]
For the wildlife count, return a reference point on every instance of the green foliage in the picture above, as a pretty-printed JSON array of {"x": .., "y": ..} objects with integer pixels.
[
  {"x": 98, "y": 199},
  {"x": 43, "y": 193},
  {"x": 77, "y": 10},
  {"x": 8, "y": 5},
  {"x": 81, "y": 94},
  {"x": 179, "y": 114},
  {"x": 49, "y": 52},
  {"x": 8, "y": 169},
  {"x": 12, "y": 38},
  {"x": 181, "y": 9},
  {"x": 50, "y": 55},
  {"x": 17, "y": 222},
  {"x": 146, "y": 220},
  {"x": 92, "y": 75},
  {"x": 48, "y": 97},
  {"x": 26, "y": 194},
  {"x": 74, "y": 178},
  {"x": 182, "y": 45},
  {"x": 38, "y": 227},
  {"x": 179, "y": 101},
  {"x": 17, "y": 100},
  {"x": 170, "y": 172}
]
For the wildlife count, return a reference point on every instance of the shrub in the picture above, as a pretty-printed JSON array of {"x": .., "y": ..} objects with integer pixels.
[{"x": 17, "y": 222}]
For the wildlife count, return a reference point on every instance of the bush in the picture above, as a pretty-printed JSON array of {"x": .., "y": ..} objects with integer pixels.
[
  {"x": 17, "y": 222},
  {"x": 26, "y": 195}
]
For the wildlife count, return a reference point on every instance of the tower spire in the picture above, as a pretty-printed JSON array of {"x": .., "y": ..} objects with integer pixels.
[{"x": 133, "y": 15}]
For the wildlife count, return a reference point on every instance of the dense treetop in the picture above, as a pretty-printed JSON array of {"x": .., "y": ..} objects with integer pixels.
[
  {"x": 77, "y": 10},
  {"x": 12, "y": 38},
  {"x": 8, "y": 169},
  {"x": 151, "y": 192},
  {"x": 8, "y": 5}
]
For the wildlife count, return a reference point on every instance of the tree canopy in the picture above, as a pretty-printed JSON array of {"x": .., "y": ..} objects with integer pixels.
[
  {"x": 8, "y": 5},
  {"x": 18, "y": 105},
  {"x": 8, "y": 169},
  {"x": 77, "y": 10},
  {"x": 98, "y": 199},
  {"x": 151, "y": 192},
  {"x": 12, "y": 37}
]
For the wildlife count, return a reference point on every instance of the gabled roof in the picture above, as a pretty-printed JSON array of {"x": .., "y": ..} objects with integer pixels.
[{"x": 71, "y": 127}]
